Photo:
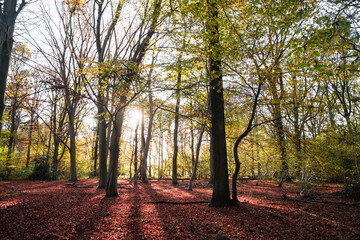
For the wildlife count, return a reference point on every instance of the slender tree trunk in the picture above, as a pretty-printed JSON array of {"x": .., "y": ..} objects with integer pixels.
[
  {"x": 198, "y": 146},
  {"x": 55, "y": 157},
  {"x": 30, "y": 139},
  {"x": 136, "y": 149},
  {"x": 134, "y": 155},
  {"x": 11, "y": 139},
  {"x": 252, "y": 158},
  {"x": 176, "y": 129},
  {"x": 103, "y": 152},
  {"x": 142, "y": 144},
  {"x": 57, "y": 129},
  {"x": 72, "y": 133},
  {"x": 96, "y": 150},
  {"x": 237, "y": 142},
  {"x": 145, "y": 151},
  {"x": 161, "y": 151},
  {"x": 149, "y": 161},
  {"x": 192, "y": 143},
  {"x": 297, "y": 142}
]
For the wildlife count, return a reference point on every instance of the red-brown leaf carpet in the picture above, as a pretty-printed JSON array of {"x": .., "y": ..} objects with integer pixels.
[{"x": 56, "y": 210}]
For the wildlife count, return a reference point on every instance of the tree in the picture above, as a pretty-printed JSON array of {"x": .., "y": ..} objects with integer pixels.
[
  {"x": 131, "y": 74},
  {"x": 102, "y": 46},
  {"x": 176, "y": 125},
  {"x": 9, "y": 10},
  {"x": 221, "y": 194},
  {"x": 146, "y": 148}
]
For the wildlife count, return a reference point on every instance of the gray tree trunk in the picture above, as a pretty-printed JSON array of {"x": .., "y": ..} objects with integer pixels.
[
  {"x": 111, "y": 186},
  {"x": 176, "y": 129},
  {"x": 102, "y": 42},
  {"x": 198, "y": 146},
  {"x": 145, "y": 151},
  {"x": 103, "y": 153}
]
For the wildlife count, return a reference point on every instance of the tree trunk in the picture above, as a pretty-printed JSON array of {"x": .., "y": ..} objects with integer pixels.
[
  {"x": 30, "y": 140},
  {"x": 111, "y": 186},
  {"x": 176, "y": 129},
  {"x": 55, "y": 158},
  {"x": 221, "y": 194},
  {"x": 96, "y": 150},
  {"x": 192, "y": 143},
  {"x": 8, "y": 14},
  {"x": 103, "y": 153},
  {"x": 142, "y": 144},
  {"x": 11, "y": 138},
  {"x": 297, "y": 142},
  {"x": 72, "y": 136},
  {"x": 136, "y": 149},
  {"x": 279, "y": 129},
  {"x": 102, "y": 42},
  {"x": 145, "y": 151},
  {"x": 161, "y": 150},
  {"x": 237, "y": 142},
  {"x": 57, "y": 126},
  {"x": 198, "y": 146}
]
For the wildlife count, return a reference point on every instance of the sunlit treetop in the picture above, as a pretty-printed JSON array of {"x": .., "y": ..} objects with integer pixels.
[{"x": 74, "y": 5}]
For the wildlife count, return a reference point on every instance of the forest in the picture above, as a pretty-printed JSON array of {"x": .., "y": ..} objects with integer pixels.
[{"x": 153, "y": 99}]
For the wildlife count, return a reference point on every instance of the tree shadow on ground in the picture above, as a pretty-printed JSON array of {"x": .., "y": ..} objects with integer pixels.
[{"x": 59, "y": 211}]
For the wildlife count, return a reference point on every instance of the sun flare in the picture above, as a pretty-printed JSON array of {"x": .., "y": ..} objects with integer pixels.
[{"x": 134, "y": 117}]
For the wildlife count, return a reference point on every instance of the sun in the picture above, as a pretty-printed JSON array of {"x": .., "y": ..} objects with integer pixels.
[{"x": 133, "y": 118}]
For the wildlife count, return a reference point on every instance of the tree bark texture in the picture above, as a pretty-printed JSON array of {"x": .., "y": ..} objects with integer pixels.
[
  {"x": 8, "y": 15},
  {"x": 145, "y": 151},
  {"x": 111, "y": 186},
  {"x": 221, "y": 194},
  {"x": 176, "y": 129}
]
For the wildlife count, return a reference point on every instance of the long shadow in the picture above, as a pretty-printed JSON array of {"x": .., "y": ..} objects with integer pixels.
[
  {"x": 247, "y": 221},
  {"x": 177, "y": 221},
  {"x": 134, "y": 218},
  {"x": 195, "y": 195},
  {"x": 88, "y": 222},
  {"x": 63, "y": 212}
]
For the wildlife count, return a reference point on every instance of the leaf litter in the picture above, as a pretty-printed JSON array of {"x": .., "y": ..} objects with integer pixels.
[{"x": 57, "y": 210}]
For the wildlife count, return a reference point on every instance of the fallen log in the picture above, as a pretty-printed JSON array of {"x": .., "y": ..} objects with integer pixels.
[
  {"x": 78, "y": 186},
  {"x": 324, "y": 202},
  {"x": 182, "y": 203}
]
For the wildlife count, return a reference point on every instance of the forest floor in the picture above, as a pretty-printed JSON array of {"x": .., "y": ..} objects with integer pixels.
[{"x": 57, "y": 210}]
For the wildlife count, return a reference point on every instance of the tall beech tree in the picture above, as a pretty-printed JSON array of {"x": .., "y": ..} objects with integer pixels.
[
  {"x": 9, "y": 11},
  {"x": 103, "y": 40},
  {"x": 131, "y": 74},
  {"x": 221, "y": 194},
  {"x": 176, "y": 125}
]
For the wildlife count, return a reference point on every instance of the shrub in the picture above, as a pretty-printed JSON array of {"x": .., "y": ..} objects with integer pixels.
[{"x": 41, "y": 169}]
